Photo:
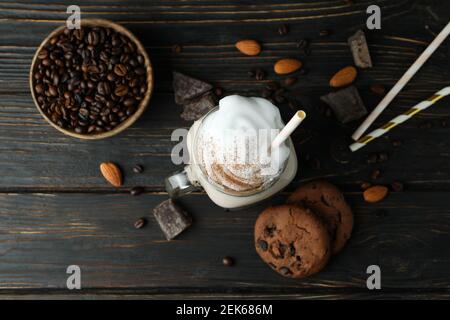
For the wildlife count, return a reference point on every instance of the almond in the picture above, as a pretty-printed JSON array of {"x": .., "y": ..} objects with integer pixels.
[
  {"x": 112, "y": 173},
  {"x": 375, "y": 193},
  {"x": 285, "y": 66},
  {"x": 249, "y": 47},
  {"x": 343, "y": 77}
]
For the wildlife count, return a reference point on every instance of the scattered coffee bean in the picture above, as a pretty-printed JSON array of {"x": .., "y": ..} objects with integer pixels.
[
  {"x": 303, "y": 71},
  {"x": 290, "y": 81},
  {"x": 89, "y": 80},
  {"x": 303, "y": 44},
  {"x": 425, "y": 125},
  {"x": 397, "y": 186},
  {"x": 324, "y": 32},
  {"x": 265, "y": 93},
  {"x": 272, "y": 86},
  {"x": 228, "y": 261},
  {"x": 396, "y": 143},
  {"x": 375, "y": 174},
  {"x": 218, "y": 92},
  {"x": 137, "y": 191},
  {"x": 260, "y": 74},
  {"x": 372, "y": 158},
  {"x": 378, "y": 89},
  {"x": 138, "y": 168},
  {"x": 365, "y": 185},
  {"x": 382, "y": 157},
  {"x": 140, "y": 223},
  {"x": 176, "y": 48},
  {"x": 381, "y": 213},
  {"x": 283, "y": 29}
]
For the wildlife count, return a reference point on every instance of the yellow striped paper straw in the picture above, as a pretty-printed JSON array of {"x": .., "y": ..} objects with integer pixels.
[{"x": 400, "y": 119}]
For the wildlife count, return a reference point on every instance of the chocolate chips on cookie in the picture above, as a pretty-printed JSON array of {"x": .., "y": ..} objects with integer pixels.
[
  {"x": 297, "y": 239},
  {"x": 292, "y": 240}
]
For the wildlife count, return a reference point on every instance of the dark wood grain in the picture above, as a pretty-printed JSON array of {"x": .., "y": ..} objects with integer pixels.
[
  {"x": 56, "y": 210},
  {"x": 97, "y": 233}
]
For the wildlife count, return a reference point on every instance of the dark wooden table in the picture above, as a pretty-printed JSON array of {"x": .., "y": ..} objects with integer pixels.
[{"x": 56, "y": 209}]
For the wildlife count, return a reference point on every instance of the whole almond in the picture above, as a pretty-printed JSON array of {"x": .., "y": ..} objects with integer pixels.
[
  {"x": 249, "y": 47},
  {"x": 343, "y": 77},
  {"x": 111, "y": 173},
  {"x": 375, "y": 193},
  {"x": 285, "y": 66}
]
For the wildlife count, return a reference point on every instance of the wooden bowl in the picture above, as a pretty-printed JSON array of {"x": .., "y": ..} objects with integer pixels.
[{"x": 141, "y": 107}]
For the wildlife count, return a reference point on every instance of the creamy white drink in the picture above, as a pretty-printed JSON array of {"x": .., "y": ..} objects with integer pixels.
[{"x": 232, "y": 145}]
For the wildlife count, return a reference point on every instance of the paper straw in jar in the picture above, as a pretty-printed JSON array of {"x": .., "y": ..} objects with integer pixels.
[
  {"x": 400, "y": 119},
  {"x": 295, "y": 121},
  {"x": 402, "y": 82}
]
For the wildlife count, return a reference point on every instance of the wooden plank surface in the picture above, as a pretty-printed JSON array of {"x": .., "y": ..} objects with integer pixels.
[{"x": 56, "y": 210}]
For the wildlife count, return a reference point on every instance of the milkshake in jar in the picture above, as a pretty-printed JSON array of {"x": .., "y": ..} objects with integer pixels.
[{"x": 231, "y": 156}]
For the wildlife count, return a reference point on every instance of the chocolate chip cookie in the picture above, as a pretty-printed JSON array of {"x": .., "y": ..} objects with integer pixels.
[
  {"x": 326, "y": 200},
  {"x": 292, "y": 240}
]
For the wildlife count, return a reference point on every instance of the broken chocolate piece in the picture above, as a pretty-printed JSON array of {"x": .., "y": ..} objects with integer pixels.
[
  {"x": 346, "y": 104},
  {"x": 171, "y": 218},
  {"x": 187, "y": 88},
  {"x": 198, "y": 107},
  {"x": 360, "y": 50}
]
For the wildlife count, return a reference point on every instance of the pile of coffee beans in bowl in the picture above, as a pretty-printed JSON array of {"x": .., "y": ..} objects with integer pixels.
[{"x": 89, "y": 81}]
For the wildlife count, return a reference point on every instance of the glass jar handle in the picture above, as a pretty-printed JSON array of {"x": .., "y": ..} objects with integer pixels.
[{"x": 179, "y": 184}]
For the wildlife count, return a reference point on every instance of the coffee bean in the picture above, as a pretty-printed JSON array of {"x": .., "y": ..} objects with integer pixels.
[
  {"x": 375, "y": 174},
  {"x": 121, "y": 90},
  {"x": 218, "y": 91},
  {"x": 137, "y": 191},
  {"x": 365, "y": 185},
  {"x": 228, "y": 261},
  {"x": 283, "y": 29},
  {"x": 290, "y": 81},
  {"x": 42, "y": 54},
  {"x": 372, "y": 158},
  {"x": 378, "y": 89},
  {"x": 39, "y": 88},
  {"x": 382, "y": 157},
  {"x": 425, "y": 125},
  {"x": 397, "y": 186},
  {"x": 76, "y": 72},
  {"x": 120, "y": 70},
  {"x": 138, "y": 168},
  {"x": 396, "y": 143},
  {"x": 140, "y": 223},
  {"x": 260, "y": 74},
  {"x": 176, "y": 48},
  {"x": 324, "y": 32}
]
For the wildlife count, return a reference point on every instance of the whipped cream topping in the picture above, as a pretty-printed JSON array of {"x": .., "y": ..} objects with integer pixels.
[{"x": 233, "y": 144}]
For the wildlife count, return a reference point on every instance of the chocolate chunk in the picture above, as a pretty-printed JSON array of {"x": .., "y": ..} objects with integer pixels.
[
  {"x": 360, "y": 50},
  {"x": 187, "y": 88},
  {"x": 198, "y": 107},
  {"x": 346, "y": 104},
  {"x": 263, "y": 245},
  {"x": 171, "y": 218}
]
